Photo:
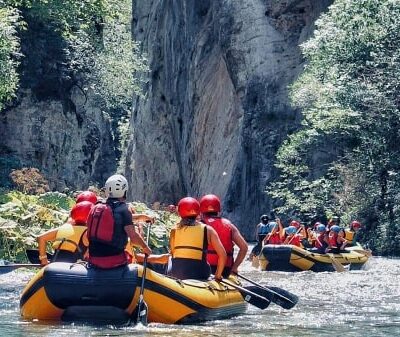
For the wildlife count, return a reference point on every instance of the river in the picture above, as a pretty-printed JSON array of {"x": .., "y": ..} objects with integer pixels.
[{"x": 353, "y": 303}]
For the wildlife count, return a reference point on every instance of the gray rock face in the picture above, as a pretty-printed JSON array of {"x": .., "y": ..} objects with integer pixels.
[
  {"x": 53, "y": 125},
  {"x": 216, "y": 107},
  {"x": 69, "y": 152}
]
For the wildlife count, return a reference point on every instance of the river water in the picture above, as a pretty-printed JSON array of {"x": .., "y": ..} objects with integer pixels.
[{"x": 353, "y": 303}]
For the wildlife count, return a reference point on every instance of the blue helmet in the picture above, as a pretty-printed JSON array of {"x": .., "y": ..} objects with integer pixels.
[
  {"x": 335, "y": 228},
  {"x": 290, "y": 230},
  {"x": 321, "y": 228},
  {"x": 271, "y": 226}
]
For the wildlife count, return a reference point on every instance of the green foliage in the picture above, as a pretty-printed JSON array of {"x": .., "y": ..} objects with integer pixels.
[
  {"x": 346, "y": 158},
  {"x": 23, "y": 217},
  {"x": 56, "y": 200},
  {"x": 9, "y": 52}
]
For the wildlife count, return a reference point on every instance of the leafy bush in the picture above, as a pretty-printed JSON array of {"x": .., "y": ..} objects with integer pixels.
[
  {"x": 56, "y": 200},
  {"x": 29, "y": 180},
  {"x": 23, "y": 217}
]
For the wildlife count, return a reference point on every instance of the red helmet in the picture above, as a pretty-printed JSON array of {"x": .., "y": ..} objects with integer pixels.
[
  {"x": 295, "y": 223},
  {"x": 80, "y": 212},
  {"x": 188, "y": 207},
  {"x": 355, "y": 224},
  {"x": 86, "y": 196},
  {"x": 210, "y": 203}
]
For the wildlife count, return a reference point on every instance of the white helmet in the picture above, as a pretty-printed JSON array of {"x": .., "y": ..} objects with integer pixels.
[{"x": 116, "y": 186}]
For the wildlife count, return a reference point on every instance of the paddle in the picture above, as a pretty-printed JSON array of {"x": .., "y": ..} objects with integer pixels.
[
  {"x": 336, "y": 264},
  {"x": 11, "y": 267},
  {"x": 142, "y": 308},
  {"x": 279, "y": 296},
  {"x": 250, "y": 296},
  {"x": 33, "y": 256}
]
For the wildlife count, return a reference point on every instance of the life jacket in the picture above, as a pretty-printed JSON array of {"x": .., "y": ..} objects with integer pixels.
[
  {"x": 294, "y": 240},
  {"x": 189, "y": 242},
  {"x": 263, "y": 229},
  {"x": 224, "y": 230},
  {"x": 102, "y": 230},
  {"x": 275, "y": 239},
  {"x": 319, "y": 241},
  {"x": 72, "y": 243},
  {"x": 333, "y": 240},
  {"x": 349, "y": 235}
]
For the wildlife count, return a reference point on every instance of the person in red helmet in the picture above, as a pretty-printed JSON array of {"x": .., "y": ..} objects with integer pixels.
[
  {"x": 86, "y": 196},
  {"x": 352, "y": 233},
  {"x": 69, "y": 241},
  {"x": 189, "y": 241},
  {"x": 210, "y": 208}
]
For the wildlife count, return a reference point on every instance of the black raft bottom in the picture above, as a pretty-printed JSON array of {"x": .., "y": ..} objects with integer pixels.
[{"x": 96, "y": 315}]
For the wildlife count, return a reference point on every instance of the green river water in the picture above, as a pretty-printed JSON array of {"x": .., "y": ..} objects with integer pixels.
[{"x": 354, "y": 303}]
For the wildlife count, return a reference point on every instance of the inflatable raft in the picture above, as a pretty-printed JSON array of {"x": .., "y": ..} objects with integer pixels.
[
  {"x": 292, "y": 258},
  {"x": 74, "y": 292}
]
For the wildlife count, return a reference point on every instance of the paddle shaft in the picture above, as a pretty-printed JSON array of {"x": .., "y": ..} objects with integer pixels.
[
  {"x": 142, "y": 314},
  {"x": 287, "y": 302}
]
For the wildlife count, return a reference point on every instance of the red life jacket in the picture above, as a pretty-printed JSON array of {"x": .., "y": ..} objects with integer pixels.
[
  {"x": 295, "y": 240},
  {"x": 101, "y": 229},
  {"x": 333, "y": 241},
  {"x": 319, "y": 242},
  {"x": 275, "y": 239},
  {"x": 224, "y": 230}
]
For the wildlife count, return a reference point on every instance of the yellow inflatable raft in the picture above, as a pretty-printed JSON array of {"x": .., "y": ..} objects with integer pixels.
[
  {"x": 293, "y": 258},
  {"x": 74, "y": 292}
]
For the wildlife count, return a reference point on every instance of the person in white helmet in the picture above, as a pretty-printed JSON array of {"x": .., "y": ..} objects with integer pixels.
[{"x": 110, "y": 224}]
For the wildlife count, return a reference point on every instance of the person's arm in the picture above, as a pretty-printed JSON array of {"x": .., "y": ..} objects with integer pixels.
[
  {"x": 137, "y": 239},
  {"x": 214, "y": 240},
  {"x": 142, "y": 218},
  {"x": 238, "y": 239},
  {"x": 42, "y": 239},
  {"x": 159, "y": 258}
]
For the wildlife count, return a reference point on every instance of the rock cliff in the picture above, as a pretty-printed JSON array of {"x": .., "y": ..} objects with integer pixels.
[
  {"x": 53, "y": 124},
  {"x": 216, "y": 106}
]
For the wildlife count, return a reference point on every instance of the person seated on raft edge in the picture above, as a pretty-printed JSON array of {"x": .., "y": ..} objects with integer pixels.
[
  {"x": 229, "y": 235},
  {"x": 188, "y": 244},
  {"x": 353, "y": 232},
  {"x": 262, "y": 229},
  {"x": 110, "y": 224},
  {"x": 69, "y": 241},
  {"x": 336, "y": 240}
]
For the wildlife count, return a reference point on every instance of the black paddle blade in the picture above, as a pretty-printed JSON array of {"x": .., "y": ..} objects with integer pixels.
[
  {"x": 142, "y": 313},
  {"x": 279, "y": 296},
  {"x": 258, "y": 301},
  {"x": 250, "y": 296}
]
